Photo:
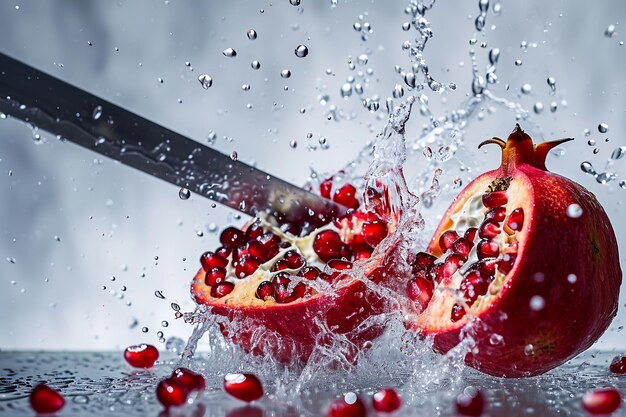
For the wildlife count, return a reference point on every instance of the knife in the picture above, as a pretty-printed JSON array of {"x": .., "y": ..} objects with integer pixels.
[{"x": 77, "y": 116}]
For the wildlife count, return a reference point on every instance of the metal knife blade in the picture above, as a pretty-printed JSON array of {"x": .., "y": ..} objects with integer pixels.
[{"x": 84, "y": 119}]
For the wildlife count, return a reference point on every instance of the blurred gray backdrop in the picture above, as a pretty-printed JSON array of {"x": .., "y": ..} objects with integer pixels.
[{"x": 85, "y": 242}]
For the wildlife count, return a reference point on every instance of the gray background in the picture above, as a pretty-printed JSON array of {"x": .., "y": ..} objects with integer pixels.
[{"x": 69, "y": 221}]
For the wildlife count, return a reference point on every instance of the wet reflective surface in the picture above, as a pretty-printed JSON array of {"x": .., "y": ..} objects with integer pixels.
[{"x": 102, "y": 384}]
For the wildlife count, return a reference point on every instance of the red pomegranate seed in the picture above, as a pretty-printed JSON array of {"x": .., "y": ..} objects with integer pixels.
[
  {"x": 374, "y": 232},
  {"x": 327, "y": 245},
  {"x": 462, "y": 246},
  {"x": 470, "y": 234},
  {"x": 487, "y": 249},
  {"x": 222, "y": 289},
  {"x": 472, "y": 286},
  {"x": 325, "y": 187},
  {"x": 495, "y": 199},
  {"x": 505, "y": 264},
  {"x": 489, "y": 229},
  {"x": 310, "y": 272},
  {"x": 171, "y": 393},
  {"x": 282, "y": 293},
  {"x": 210, "y": 260},
  {"x": 497, "y": 214},
  {"x": 452, "y": 263},
  {"x": 223, "y": 252},
  {"x": 294, "y": 259},
  {"x": 265, "y": 290},
  {"x": 247, "y": 265},
  {"x": 618, "y": 365},
  {"x": 516, "y": 219},
  {"x": 46, "y": 400},
  {"x": 602, "y": 401},
  {"x": 364, "y": 253},
  {"x": 244, "y": 387},
  {"x": 254, "y": 231},
  {"x": 457, "y": 312},
  {"x": 232, "y": 237},
  {"x": 446, "y": 239},
  {"x": 487, "y": 267},
  {"x": 436, "y": 272},
  {"x": 348, "y": 406},
  {"x": 189, "y": 379},
  {"x": 253, "y": 248},
  {"x": 214, "y": 276},
  {"x": 470, "y": 402},
  {"x": 280, "y": 265},
  {"x": 141, "y": 356},
  {"x": 346, "y": 196},
  {"x": 423, "y": 260},
  {"x": 420, "y": 289},
  {"x": 340, "y": 264},
  {"x": 386, "y": 400},
  {"x": 270, "y": 243}
]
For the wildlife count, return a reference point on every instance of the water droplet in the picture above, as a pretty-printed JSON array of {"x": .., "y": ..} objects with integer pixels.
[
  {"x": 406, "y": 26},
  {"x": 97, "y": 112},
  {"x": 245, "y": 87},
  {"x": 495, "y": 339},
  {"x": 255, "y": 65},
  {"x": 605, "y": 177},
  {"x": 251, "y": 34},
  {"x": 553, "y": 106},
  {"x": 552, "y": 84},
  {"x": 494, "y": 55},
  {"x": 362, "y": 59},
  {"x": 526, "y": 88},
  {"x": 518, "y": 62},
  {"x": 622, "y": 184},
  {"x": 164, "y": 323},
  {"x": 537, "y": 303},
  {"x": 160, "y": 80},
  {"x": 346, "y": 90},
  {"x": 538, "y": 107},
  {"x": 234, "y": 155},
  {"x": 409, "y": 79},
  {"x": 285, "y": 73},
  {"x": 229, "y": 52},
  {"x": 398, "y": 91},
  {"x": 357, "y": 26},
  {"x": 587, "y": 168},
  {"x": 609, "y": 31},
  {"x": 293, "y": 144},
  {"x": 571, "y": 278},
  {"x": 145, "y": 329},
  {"x": 294, "y": 2},
  {"x": 574, "y": 211},
  {"x": 206, "y": 81},
  {"x": 529, "y": 350},
  {"x": 603, "y": 128},
  {"x": 174, "y": 344},
  {"x": 452, "y": 86},
  {"x": 618, "y": 153},
  {"x": 301, "y": 51}
]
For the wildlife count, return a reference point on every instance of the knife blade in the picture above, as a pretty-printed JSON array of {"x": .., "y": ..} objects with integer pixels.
[{"x": 77, "y": 116}]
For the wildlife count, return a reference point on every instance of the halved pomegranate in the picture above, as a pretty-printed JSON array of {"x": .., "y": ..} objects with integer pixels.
[
  {"x": 283, "y": 287},
  {"x": 535, "y": 285}
]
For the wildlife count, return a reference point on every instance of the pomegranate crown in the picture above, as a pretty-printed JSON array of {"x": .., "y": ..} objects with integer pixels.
[{"x": 520, "y": 149}]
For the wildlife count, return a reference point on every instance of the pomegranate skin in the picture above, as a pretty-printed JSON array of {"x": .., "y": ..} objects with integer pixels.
[{"x": 553, "y": 249}]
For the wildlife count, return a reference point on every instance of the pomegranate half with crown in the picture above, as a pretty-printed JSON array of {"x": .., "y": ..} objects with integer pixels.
[
  {"x": 524, "y": 261},
  {"x": 283, "y": 290}
]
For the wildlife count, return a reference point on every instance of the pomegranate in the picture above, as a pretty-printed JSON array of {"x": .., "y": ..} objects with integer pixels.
[
  {"x": 189, "y": 379},
  {"x": 386, "y": 400},
  {"x": 171, "y": 393},
  {"x": 618, "y": 365},
  {"x": 244, "y": 387},
  {"x": 509, "y": 265},
  {"x": 350, "y": 405},
  {"x": 602, "y": 401},
  {"x": 141, "y": 356},
  {"x": 470, "y": 402},
  {"x": 289, "y": 281},
  {"x": 45, "y": 400}
]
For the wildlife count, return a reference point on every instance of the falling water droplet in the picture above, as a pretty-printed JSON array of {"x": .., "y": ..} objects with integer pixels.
[
  {"x": 494, "y": 55},
  {"x": 603, "y": 128},
  {"x": 587, "y": 168},
  {"x": 97, "y": 112},
  {"x": 285, "y": 73},
  {"x": 234, "y": 155},
  {"x": 206, "y": 81},
  {"x": 518, "y": 62},
  {"x": 245, "y": 87},
  {"x": 618, "y": 153},
  {"x": 538, "y": 107},
  {"x": 537, "y": 303},
  {"x": 574, "y": 211},
  {"x": 145, "y": 329},
  {"x": 184, "y": 193},
  {"x": 622, "y": 184},
  {"x": 526, "y": 88},
  {"x": 301, "y": 51},
  {"x": 255, "y": 65},
  {"x": 552, "y": 84},
  {"x": 405, "y": 26},
  {"x": 229, "y": 52},
  {"x": 294, "y": 2},
  {"x": 293, "y": 144},
  {"x": 609, "y": 31},
  {"x": 398, "y": 91},
  {"x": 362, "y": 59},
  {"x": 251, "y": 34}
]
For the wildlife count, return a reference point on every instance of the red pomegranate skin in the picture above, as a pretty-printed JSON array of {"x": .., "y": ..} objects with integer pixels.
[
  {"x": 291, "y": 330},
  {"x": 574, "y": 315}
]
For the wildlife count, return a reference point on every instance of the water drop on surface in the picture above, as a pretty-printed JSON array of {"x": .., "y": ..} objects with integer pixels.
[
  {"x": 229, "y": 52},
  {"x": 603, "y": 128},
  {"x": 495, "y": 339},
  {"x": 529, "y": 350},
  {"x": 285, "y": 73},
  {"x": 251, "y": 34},
  {"x": 301, "y": 51},
  {"x": 574, "y": 211},
  {"x": 571, "y": 278},
  {"x": 206, "y": 81},
  {"x": 537, "y": 303}
]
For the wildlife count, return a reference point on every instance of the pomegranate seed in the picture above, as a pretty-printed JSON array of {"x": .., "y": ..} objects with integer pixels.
[
  {"x": 505, "y": 264},
  {"x": 452, "y": 263},
  {"x": 141, "y": 356},
  {"x": 457, "y": 312},
  {"x": 294, "y": 259},
  {"x": 253, "y": 248},
  {"x": 470, "y": 402},
  {"x": 489, "y": 229},
  {"x": 290, "y": 228},
  {"x": 254, "y": 231},
  {"x": 436, "y": 272},
  {"x": 346, "y": 196},
  {"x": 446, "y": 239},
  {"x": 364, "y": 253},
  {"x": 470, "y": 234},
  {"x": 487, "y": 267},
  {"x": 325, "y": 187},
  {"x": 602, "y": 401},
  {"x": 516, "y": 219},
  {"x": 244, "y": 387},
  {"x": 487, "y": 249},
  {"x": 423, "y": 260},
  {"x": 280, "y": 265},
  {"x": 282, "y": 293},
  {"x": 265, "y": 290},
  {"x": 247, "y": 265},
  {"x": 495, "y": 199},
  {"x": 232, "y": 237},
  {"x": 45, "y": 400},
  {"x": 171, "y": 393},
  {"x": 497, "y": 214},
  {"x": 420, "y": 289},
  {"x": 386, "y": 400},
  {"x": 348, "y": 406},
  {"x": 310, "y": 272},
  {"x": 340, "y": 264},
  {"x": 618, "y": 365},
  {"x": 327, "y": 245},
  {"x": 270, "y": 243},
  {"x": 472, "y": 286},
  {"x": 214, "y": 276},
  {"x": 462, "y": 246},
  {"x": 210, "y": 260},
  {"x": 223, "y": 252},
  {"x": 374, "y": 232},
  {"x": 222, "y": 289},
  {"x": 189, "y": 379}
]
